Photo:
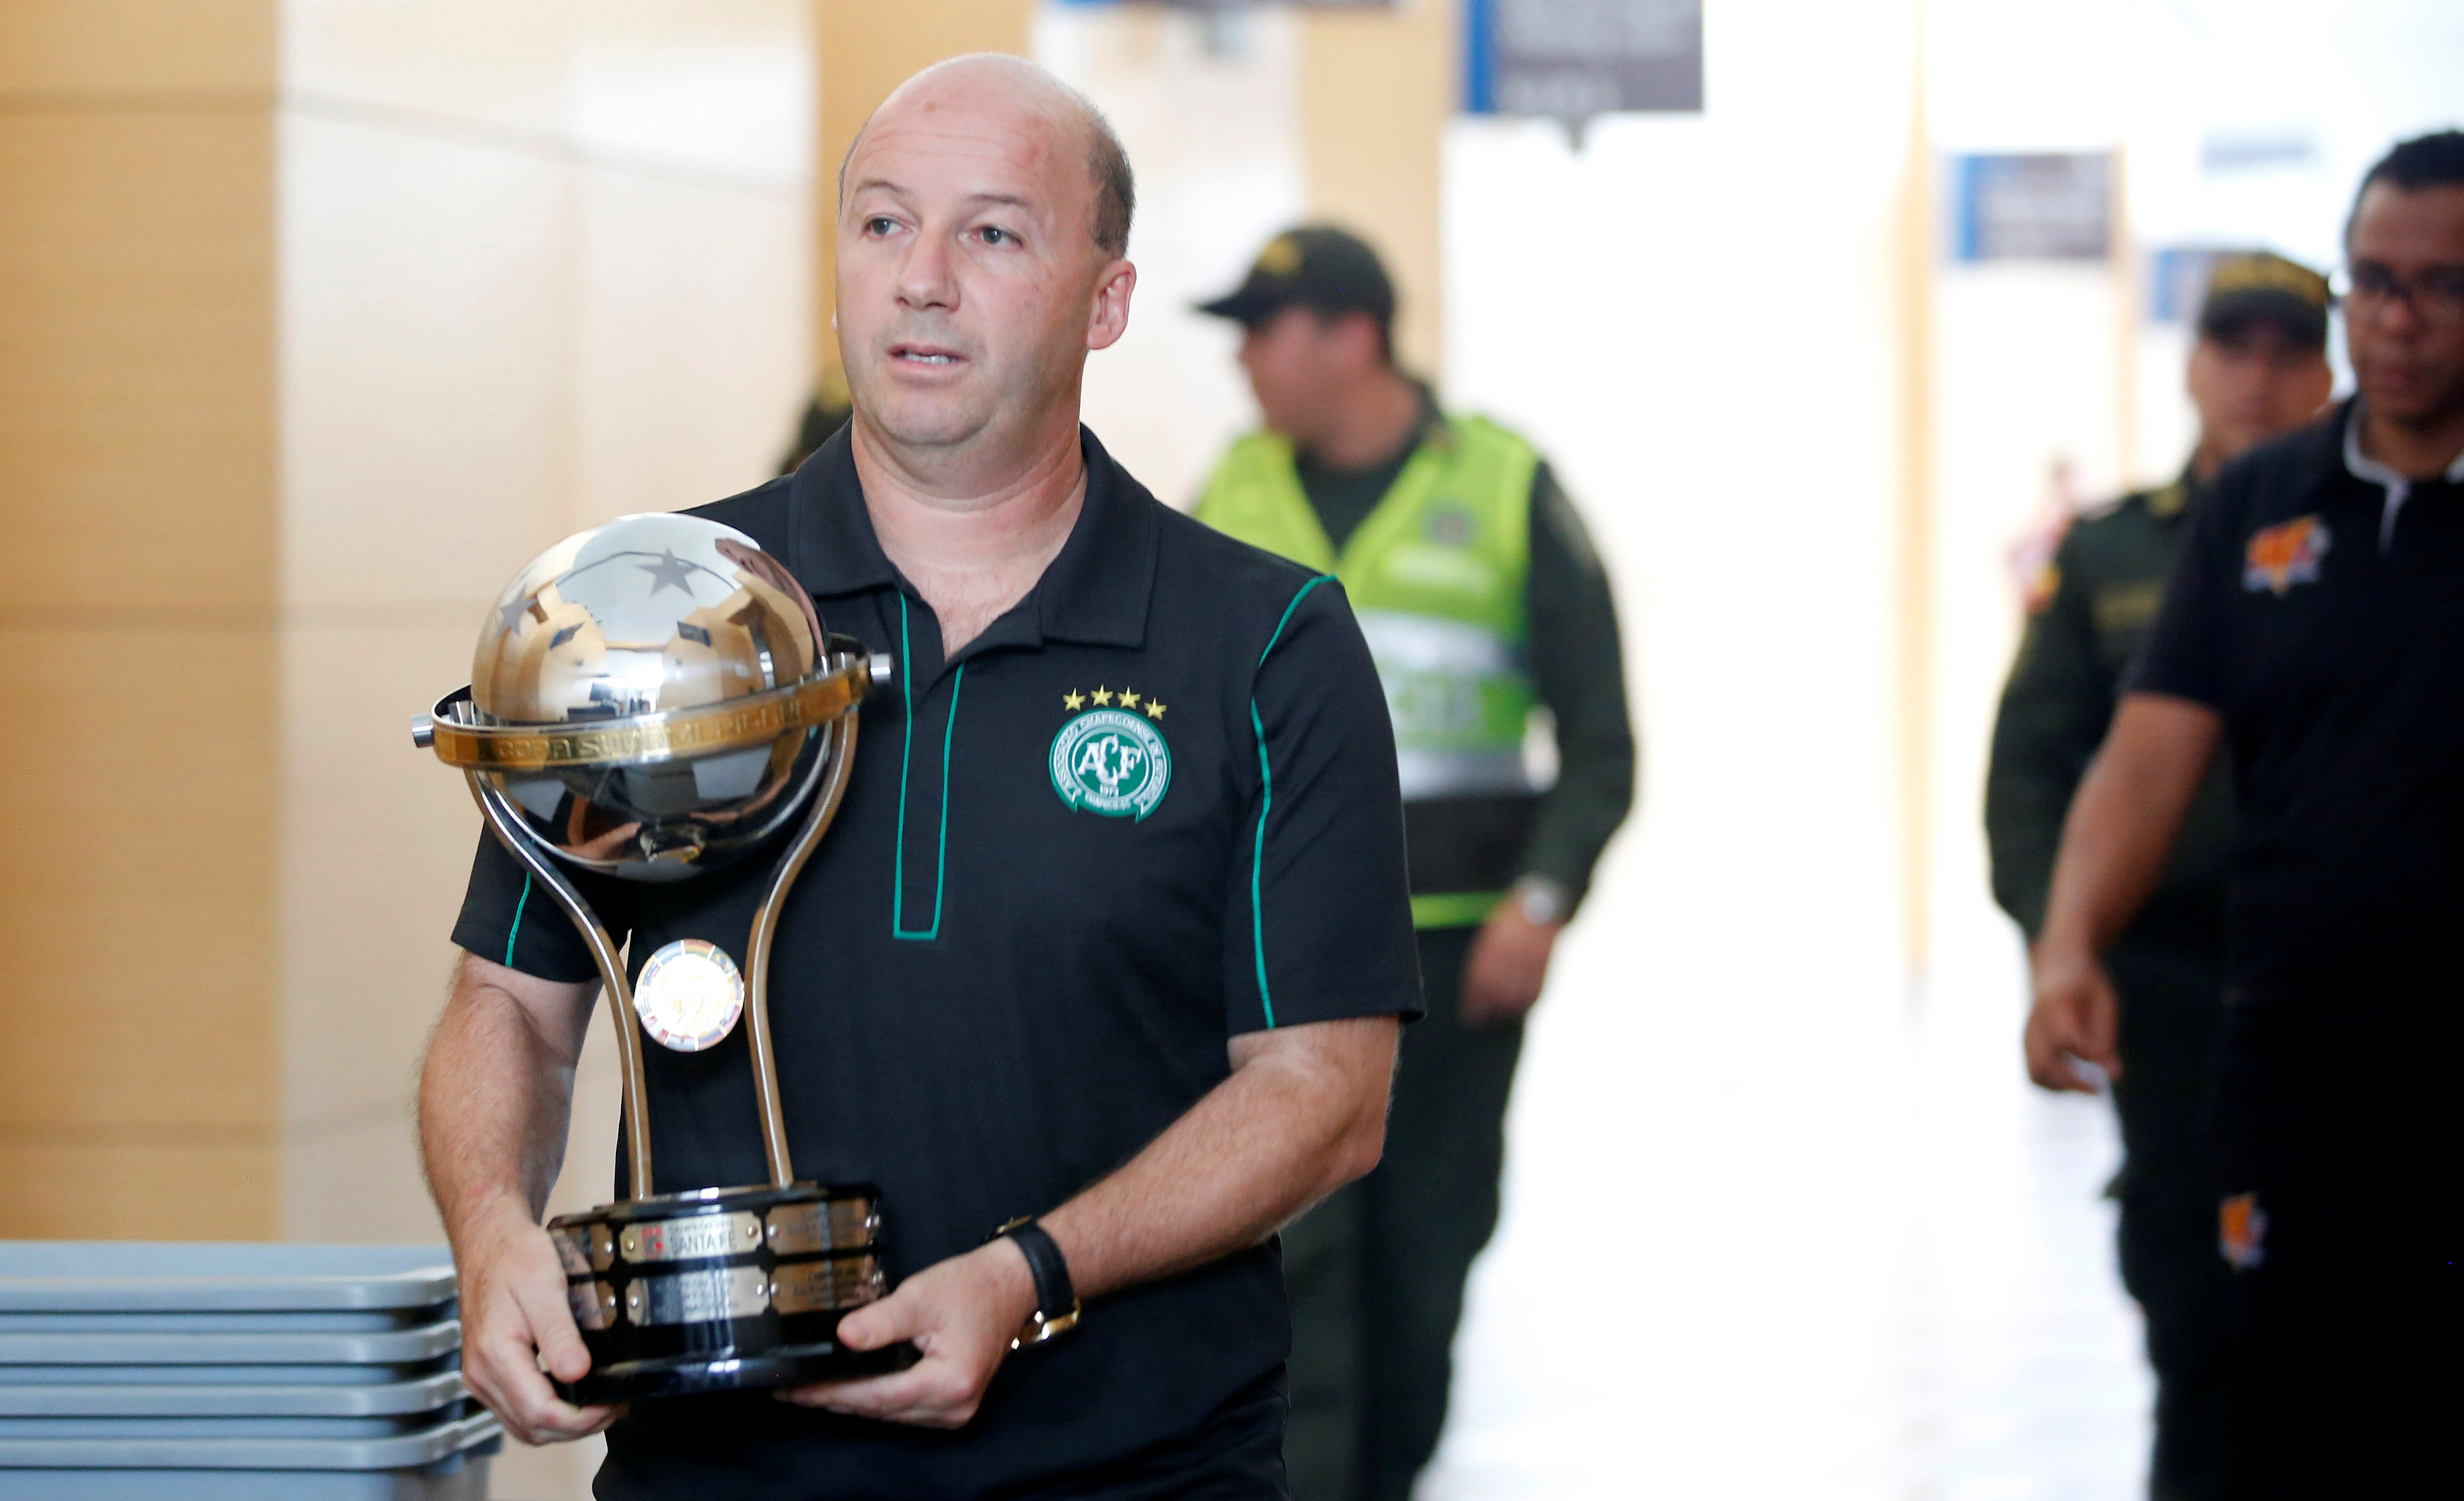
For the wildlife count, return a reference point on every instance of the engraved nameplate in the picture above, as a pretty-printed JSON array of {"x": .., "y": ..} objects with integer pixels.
[
  {"x": 594, "y": 1304},
  {"x": 847, "y": 1225},
  {"x": 840, "y": 1282},
  {"x": 693, "y": 1297},
  {"x": 685, "y": 1240}
]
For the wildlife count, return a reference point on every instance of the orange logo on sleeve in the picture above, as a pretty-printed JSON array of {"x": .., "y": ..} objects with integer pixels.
[
  {"x": 2283, "y": 555},
  {"x": 2241, "y": 1231}
]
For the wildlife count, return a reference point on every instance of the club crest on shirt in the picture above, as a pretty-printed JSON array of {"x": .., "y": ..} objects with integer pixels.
[
  {"x": 2283, "y": 555},
  {"x": 1112, "y": 759}
]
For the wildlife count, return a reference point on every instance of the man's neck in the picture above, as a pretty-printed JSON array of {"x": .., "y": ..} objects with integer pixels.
[
  {"x": 2206, "y": 459},
  {"x": 973, "y": 543},
  {"x": 1367, "y": 423},
  {"x": 2423, "y": 449}
]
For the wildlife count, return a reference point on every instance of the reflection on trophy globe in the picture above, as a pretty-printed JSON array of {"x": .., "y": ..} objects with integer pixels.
[
  {"x": 651, "y": 699},
  {"x": 641, "y": 622}
]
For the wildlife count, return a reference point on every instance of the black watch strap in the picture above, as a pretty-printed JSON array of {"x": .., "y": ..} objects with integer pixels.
[{"x": 1056, "y": 1301}]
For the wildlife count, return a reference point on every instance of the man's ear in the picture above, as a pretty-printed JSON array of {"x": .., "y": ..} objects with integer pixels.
[{"x": 1108, "y": 318}]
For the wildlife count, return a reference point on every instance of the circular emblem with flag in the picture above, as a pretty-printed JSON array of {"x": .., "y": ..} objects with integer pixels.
[
  {"x": 1111, "y": 762},
  {"x": 689, "y": 995}
]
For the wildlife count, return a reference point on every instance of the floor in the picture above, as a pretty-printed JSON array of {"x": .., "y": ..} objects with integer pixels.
[{"x": 1768, "y": 1237}]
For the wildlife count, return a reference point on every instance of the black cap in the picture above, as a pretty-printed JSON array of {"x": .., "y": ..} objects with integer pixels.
[
  {"x": 2262, "y": 288},
  {"x": 1313, "y": 267}
]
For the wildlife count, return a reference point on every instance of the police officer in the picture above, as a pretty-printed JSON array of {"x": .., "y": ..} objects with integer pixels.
[
  {"x": 1484, "y": 603},
  {"x": 2257, "y": 371},
  {"x": 2314, "y": 620},
  {"x": 1098, "y": 973}
]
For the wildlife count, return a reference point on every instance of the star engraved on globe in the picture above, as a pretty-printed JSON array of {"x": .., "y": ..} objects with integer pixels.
[{"x": 616, "y": 645}]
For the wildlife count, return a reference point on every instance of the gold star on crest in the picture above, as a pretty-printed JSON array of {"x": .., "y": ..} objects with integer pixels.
[
  {"x": 1128, "y": 699},
  {"x": 1154, "y": 710},
  {"x": 1103, "y": 696},
  {"x": 1073, "y": 701}
]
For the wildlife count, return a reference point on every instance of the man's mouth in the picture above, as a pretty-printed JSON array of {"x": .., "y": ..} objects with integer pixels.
[{"x": 929, "y": 356}]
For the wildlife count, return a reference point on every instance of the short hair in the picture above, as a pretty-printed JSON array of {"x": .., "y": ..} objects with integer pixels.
[
  {"x": 2432, "y": 161},
  {"x": 1108, "y": 164}
]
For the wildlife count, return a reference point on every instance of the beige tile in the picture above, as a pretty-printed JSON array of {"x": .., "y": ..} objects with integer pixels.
[
  {"x": 140, "y": 929},
  {"x": 719, "y": 90},
  {"x": 691, "y": 364},
  {"x": 557, "y": 1473},
  {"x": 357, "y": 1182},
  {"x": 62, "y": 1188},
  {"x": 137, "y": 360},
  {"x": 501, "y": 63},
  {"x": 376, "y": 841},
  {"x": 426, "y": 304},
  {"x": 135, "y": 46}
]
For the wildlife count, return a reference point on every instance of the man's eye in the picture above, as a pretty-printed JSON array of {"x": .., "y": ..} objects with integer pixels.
[
  {"x": 995, "y": 234},
  {"x": 879, "y": 225}
]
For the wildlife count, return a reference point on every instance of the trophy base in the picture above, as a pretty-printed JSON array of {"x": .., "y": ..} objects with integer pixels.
[
  {"x": 723, "y": 1289},
  {"x": 688, "y": 1376}
]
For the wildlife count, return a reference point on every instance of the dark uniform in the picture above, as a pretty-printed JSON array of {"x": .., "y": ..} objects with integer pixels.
[
  {"x": 1017, "y": 957},
  {"x": 2090, "y": 620},
  {"x": 2318, "y": 607},
  {"x": 1377, "y": 1272},
  {"x": 2168, "y": 966}
]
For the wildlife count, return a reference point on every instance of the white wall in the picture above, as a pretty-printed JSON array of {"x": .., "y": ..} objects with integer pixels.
[{"x": 1209, "y": 111}]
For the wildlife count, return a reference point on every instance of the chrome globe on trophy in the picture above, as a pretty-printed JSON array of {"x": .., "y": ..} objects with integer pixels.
[{"x": 651, "y": 699}]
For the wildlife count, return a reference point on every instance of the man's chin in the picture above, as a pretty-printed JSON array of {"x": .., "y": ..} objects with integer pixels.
[{"x": 926, "y": 423}]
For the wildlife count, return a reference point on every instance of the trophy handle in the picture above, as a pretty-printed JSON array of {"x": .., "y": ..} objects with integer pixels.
[
  {"x": 518, "y": 840},
  {"x": 840, "y": 753}
]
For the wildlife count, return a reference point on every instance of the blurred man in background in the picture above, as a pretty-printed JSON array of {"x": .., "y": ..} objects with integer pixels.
[
  {"x": 2316, "y": 618},
  {"x": 2257, "y": 371},
  {"x": 1483, "y": 603},
  {"x": 832, "y": 407}
]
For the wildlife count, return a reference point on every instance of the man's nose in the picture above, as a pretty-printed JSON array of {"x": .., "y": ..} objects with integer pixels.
[{"x": 926, "y": 277}]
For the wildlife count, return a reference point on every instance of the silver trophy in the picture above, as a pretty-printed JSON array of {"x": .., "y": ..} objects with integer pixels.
[{"x": 651, "y": 699}]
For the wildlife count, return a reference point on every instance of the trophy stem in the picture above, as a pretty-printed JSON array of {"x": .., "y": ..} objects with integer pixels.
[
  {"x": 765, "y": 931},
  {"x": 509, "y": 830}
]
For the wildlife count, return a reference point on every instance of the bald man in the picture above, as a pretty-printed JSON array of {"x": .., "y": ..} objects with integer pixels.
[{"x": 1099, "y": 972}]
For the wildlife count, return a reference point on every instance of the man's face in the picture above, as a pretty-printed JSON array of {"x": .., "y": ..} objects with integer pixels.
[
  {"x": 2408, "y": 350},
  {"x": 969, "y": 287},
  {"x": 2253, "y": 383},
  {"x": 1300, "y": 360}
]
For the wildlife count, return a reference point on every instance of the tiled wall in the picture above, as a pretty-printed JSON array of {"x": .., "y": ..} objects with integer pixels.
[
  {"x": 525, "y": 285},
  {"x": 317, "y": 320},
  {"x": 136, "y": 640}
]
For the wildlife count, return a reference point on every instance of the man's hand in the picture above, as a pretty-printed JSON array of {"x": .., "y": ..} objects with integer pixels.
[
  {"x": 514, "y": 1319},
  {"x": 1509, "y": 964},
  {"x": 962, "y": 1314},
  {"x": 2076, "y": 1019}
]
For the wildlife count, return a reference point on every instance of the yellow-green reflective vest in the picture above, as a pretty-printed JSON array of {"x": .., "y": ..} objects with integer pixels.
[{"x": 1436, "y": 574}]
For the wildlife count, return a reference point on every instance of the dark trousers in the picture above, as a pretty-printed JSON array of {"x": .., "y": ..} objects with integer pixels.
[
  {"x": 1377, "y": 1272},
  {"x": 2172, "y": 999},
  {"x": 2341, "y": 1116}
]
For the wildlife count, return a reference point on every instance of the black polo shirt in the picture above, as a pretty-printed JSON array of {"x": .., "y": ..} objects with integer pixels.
[
  {"x": 2321, "y": 614},
  {"x": 1006, "y": 970}
]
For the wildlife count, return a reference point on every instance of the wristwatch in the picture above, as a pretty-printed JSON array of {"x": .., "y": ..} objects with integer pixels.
[
  {"x": 1054, "y": 1293},
  {"x": 1542, "y": 901}
]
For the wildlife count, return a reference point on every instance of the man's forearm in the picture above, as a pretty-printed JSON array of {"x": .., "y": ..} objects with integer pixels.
[
  {"x": 496, "y": 1095},
  {"x": 1292, "y": 1125},
  {"x": 2123, "y": 822}
]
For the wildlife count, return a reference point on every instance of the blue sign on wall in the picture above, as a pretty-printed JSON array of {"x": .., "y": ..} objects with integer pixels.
[
  {"x": 2038, "y": 207},
  {"x": 1572, "y": 59}
]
